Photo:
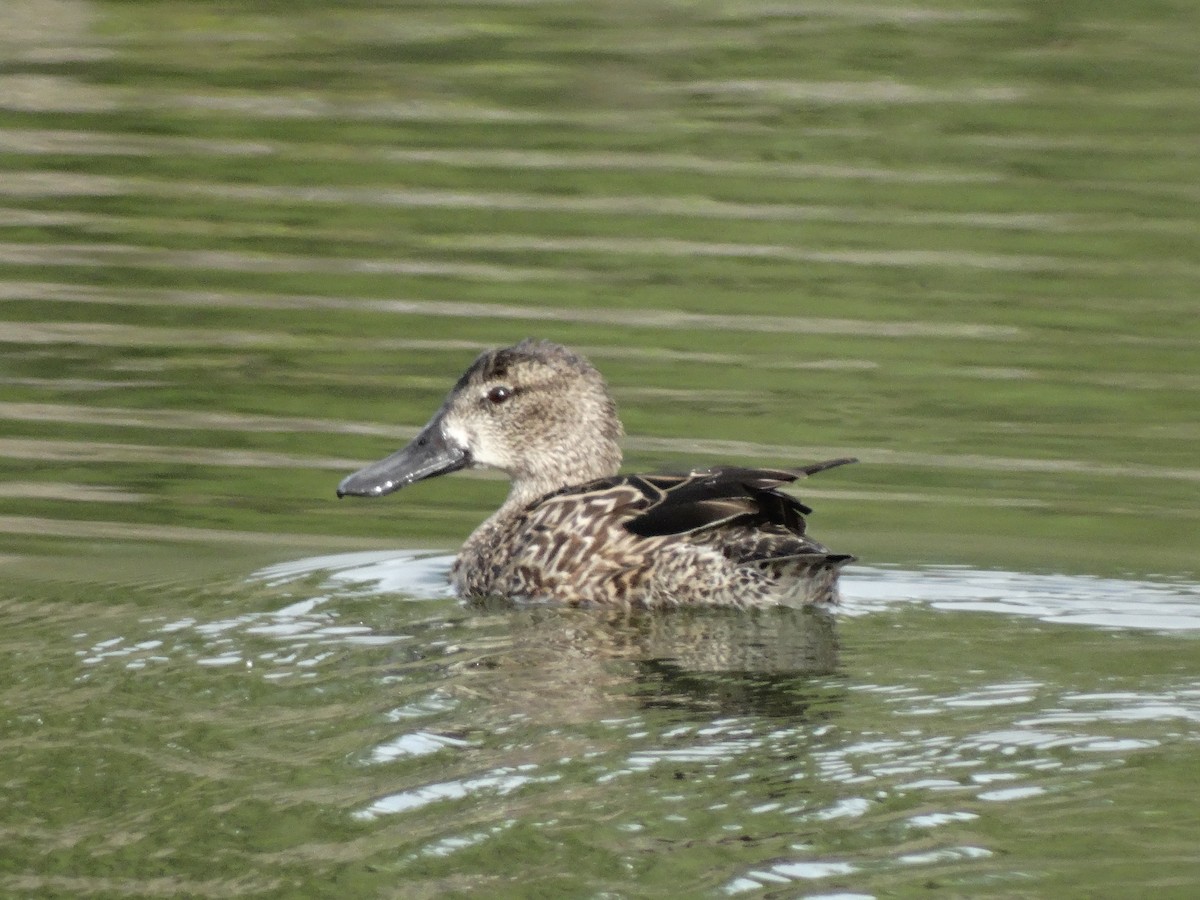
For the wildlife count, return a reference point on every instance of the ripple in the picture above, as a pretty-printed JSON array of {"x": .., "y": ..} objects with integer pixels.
[
  {"x": 414, "y": 573},
  {"x": 296, "y": 638},
  {"x": 1125, "y": 707},
  {"x": 417, "y": 743},
  {"x": 497, "y": 782},
  {"x": 848, "y": 808},
  {"x": 786, "y": 872},
  {"x": 933, "y": 820},
  {"x": 1015, "y": 793},
  {"x": 1061, "y": 599},
  {"x": 950, "y": 854}
]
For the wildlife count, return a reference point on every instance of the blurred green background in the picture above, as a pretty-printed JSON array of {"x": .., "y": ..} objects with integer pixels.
[{"x": 248, "y": 246}]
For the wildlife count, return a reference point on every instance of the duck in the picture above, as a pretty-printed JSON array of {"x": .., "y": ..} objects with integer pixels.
[{"x": 573, "y": 530}]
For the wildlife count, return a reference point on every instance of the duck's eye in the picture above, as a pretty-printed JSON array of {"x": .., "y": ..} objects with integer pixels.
[{"x": 499, "y": 394}]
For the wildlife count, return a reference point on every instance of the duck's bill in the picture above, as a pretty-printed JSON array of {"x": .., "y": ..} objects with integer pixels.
[{"x": 430, "y": 453}]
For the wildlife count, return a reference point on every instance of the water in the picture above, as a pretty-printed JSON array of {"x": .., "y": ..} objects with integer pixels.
[
  {"x": 338, "y": 724},
  {"x": 242, "y": 254}
]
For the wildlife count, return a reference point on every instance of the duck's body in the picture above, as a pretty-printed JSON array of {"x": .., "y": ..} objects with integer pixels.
[{"x": 574, "y": 531}]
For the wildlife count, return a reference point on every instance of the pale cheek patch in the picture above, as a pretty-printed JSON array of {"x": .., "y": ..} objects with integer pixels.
[
  {"x": 482, "y": 460},
  {"x": 481, "y": 444},
  {"x": 455, "y": 434}
]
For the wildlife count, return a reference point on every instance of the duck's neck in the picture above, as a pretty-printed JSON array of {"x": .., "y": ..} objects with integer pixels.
[
  {"x": 491, "y": 546},
  {"x": 568, "y": 464}
]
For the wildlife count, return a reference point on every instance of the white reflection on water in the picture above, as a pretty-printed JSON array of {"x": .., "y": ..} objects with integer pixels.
[
  {"x": 1124, "y": 706},
  {"x": 1170, "y": 605},
  {"x": 848, "y": 808},
  {"x": 305, "y": 627},
  {"x": 498, "y": 782},
  {"x": 950, "y": 854},
  {"x": 1017, "y": 793},
  {"x": 416, "y": 743},
  {"x": 417, "y": 574},
  {"x": 933, "y": 820},
  {"x": 785, "y": 872},
  {"x": 1063, "y": 599}
]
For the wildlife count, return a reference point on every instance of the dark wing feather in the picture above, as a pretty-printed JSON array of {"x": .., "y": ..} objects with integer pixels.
[
  {"x": 814, "y": 468},
  {"x": 710, "y": 498}
]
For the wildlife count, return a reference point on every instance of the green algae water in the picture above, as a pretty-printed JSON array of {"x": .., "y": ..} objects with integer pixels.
[{"x": 245, "y": 249}]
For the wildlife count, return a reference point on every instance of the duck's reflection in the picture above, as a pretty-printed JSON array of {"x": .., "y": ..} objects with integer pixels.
[{"x": 576, "y": 662}]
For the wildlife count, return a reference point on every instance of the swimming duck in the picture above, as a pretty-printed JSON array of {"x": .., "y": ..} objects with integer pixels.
[{"x": 573, "y": 530}]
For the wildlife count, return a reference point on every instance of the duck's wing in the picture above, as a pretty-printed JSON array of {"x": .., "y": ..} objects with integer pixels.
[{"x": 660, "y": 505}]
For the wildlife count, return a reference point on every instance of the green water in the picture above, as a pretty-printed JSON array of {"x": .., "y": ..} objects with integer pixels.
[{"x": 246, "y": 248}]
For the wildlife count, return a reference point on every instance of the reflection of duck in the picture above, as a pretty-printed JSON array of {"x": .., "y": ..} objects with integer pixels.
[
  {"x": 573, "y": 530},
  {"x": 781, "y": 640},
  {"x": 557, "y": 664}
]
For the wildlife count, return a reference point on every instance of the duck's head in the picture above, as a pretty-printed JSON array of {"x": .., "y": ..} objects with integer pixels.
[{"x": 537, "y": 411}]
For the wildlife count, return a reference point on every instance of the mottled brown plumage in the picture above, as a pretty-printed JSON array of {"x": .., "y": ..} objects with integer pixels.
[{"x": 573, "y": 530}]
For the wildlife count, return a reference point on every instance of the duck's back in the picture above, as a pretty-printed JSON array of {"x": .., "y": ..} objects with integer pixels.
[{"x": 724, "y": 536}]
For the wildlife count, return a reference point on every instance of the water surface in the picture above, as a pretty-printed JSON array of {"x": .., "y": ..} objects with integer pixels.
[
  {"x": 339, "y": 721},
  {"x": 244, "y": 251}
]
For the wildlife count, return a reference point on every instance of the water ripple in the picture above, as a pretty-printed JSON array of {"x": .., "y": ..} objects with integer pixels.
[
  {"x": 1062, "y": 599},
  {"x": 497, "y": 782}
]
